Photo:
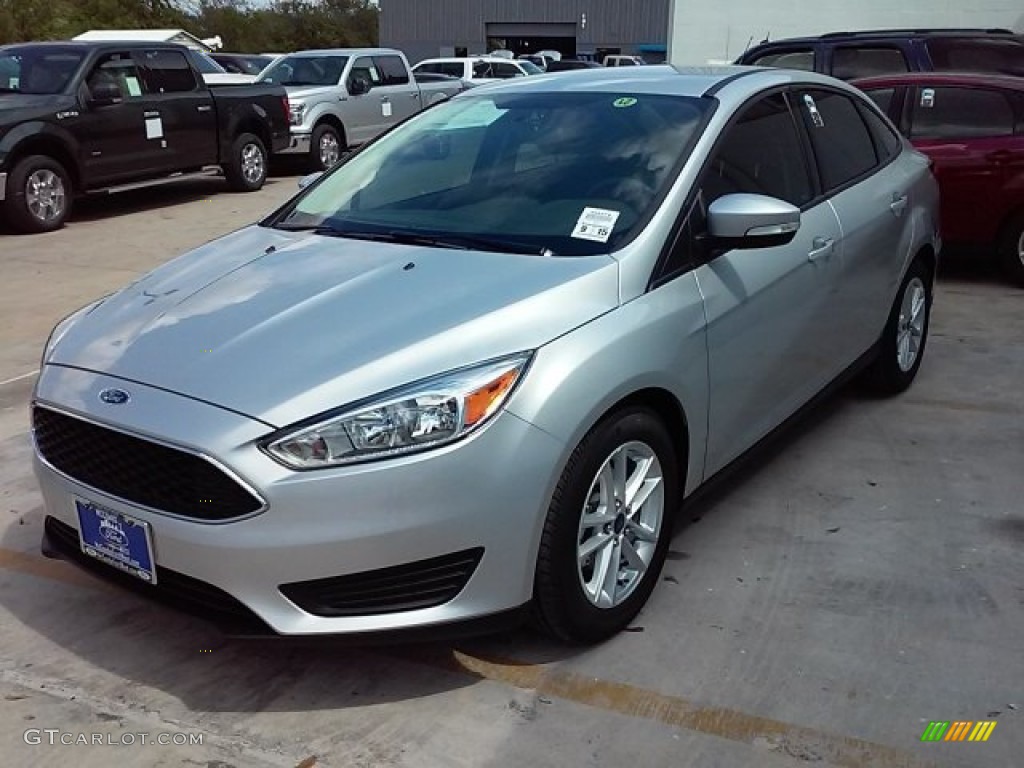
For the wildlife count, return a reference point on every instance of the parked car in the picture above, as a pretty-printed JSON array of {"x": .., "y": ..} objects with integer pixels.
[
  {"x": 617, "y": 60},
  {"x": 565, "y": 65},
  {"x": 477, "y": 70},
  {"x": 342, "y": 98},
  {"x": 477, "y": 366},
  {"x": 242, "y": 63},
  {"x": 851, "y": 55},
  {"x": 972, "y": 128},
  {"x": 83, "y": 117}
]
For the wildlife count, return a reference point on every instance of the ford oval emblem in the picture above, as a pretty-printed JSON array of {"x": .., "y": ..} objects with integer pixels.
[{"x": 114, "y": 396}]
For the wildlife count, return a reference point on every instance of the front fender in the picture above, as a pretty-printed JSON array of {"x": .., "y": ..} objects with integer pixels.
[{"x": 17, "y": 137}]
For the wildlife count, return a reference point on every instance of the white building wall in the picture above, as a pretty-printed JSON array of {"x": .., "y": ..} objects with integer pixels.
[{"x": 717, "y": 31}]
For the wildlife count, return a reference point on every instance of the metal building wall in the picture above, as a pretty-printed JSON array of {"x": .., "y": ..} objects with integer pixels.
[{"x": 423, "y": 28}]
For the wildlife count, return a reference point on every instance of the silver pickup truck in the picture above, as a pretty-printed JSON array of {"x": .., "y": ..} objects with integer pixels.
[{"x": 341, "y": 98}]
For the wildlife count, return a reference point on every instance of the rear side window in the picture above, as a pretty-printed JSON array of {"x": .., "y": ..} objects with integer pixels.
[
  {"x": 841, "y": 141},
  {"x": 166, "y": 71},
  {"x": 792, "y": 59},
  {"x": 450, "y": 68},
  {"x": 849, "y": 63},
  {"x": 392, "y": 70},
  {"x": 761, "y": 154},
  {"x": 951, "y": 113},
  {"x": 1003, "y": 55}
]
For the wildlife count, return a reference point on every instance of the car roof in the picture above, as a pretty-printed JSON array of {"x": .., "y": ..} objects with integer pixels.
[
  {"x": 731, "y": 83},
  {"x": 460, "y": 59},
  {"x": 89, "y": 45},
  {"x": 888, "y": 34},
  {"x": 1008, "y": 82},
  {"x": 345, "y": 52}
]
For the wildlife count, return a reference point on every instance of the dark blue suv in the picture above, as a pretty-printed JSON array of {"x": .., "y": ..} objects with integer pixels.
[{"x": 852, "y": 55}]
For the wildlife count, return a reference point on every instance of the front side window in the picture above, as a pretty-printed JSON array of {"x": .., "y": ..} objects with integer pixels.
[
  {"x": 165, "y": 71},
  {"x": 760, "y": 154},
  {"x": 802, "y": 59},
  {"x": 998, "y": 55},
  {"x": 115, "y": 70},
  {"x": 570, "y": 173},
  {"x": 841, "y": 141},
  {"x": 365, "y": 68},
  {"x": 450, "y": 68},
  {"x": 943, "y": 112},
  {"x": 38, "y": 69},
  {"x": 849, "y": 63},
  {"x": 306, "y": 70},
  {"x": 392, "y": 70}
]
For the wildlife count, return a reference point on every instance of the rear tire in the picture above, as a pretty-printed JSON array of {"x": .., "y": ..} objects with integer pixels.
[
  {"x": 607, "y": 530},
  {"x": 246, "y": 169},
  {"x": 1011, "y": 249},
  {"x": 38, "y": 195},
  {"x": 326, "y": 147},
  {"x": 901, "y": 347}
]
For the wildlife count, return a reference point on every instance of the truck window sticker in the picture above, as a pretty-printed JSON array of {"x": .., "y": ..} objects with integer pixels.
[
  {"x": 812, "y": 110},
  {"x": 927, "y": 98}
]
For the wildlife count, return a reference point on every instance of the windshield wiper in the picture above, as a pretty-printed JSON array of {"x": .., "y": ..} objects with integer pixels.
[{"x": 456, "y": 241}]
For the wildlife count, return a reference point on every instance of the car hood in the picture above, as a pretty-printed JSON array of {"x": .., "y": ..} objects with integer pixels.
[
  {"x": 297, "y": 92},
  {"x": 19, "y": 107},
  {"x": 282, "y": 326}
]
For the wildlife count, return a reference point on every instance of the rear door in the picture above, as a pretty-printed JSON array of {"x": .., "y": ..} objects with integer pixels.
[
  {"x": 180, "y": 113},
  {"x": 969, "y": 132},
  {"x": 769, "y": 343},
  {"x": 855, "y": 153},
  {"x": 112, "y": 137},
  {"x": 396, "y": 89}
]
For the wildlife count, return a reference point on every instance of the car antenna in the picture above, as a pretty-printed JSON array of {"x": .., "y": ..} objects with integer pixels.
[
  {"x": 767, "y": 37},
  {"x": 749, "y": 41}
]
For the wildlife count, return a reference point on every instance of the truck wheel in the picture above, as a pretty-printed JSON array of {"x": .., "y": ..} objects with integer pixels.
[
  {"x": 38, "y": 195},
  {"x": 325, "y": 148},
  {"x": 246, "y": 169}
]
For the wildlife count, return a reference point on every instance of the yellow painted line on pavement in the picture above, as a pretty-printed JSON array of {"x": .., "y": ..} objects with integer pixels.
[{"x": 774, "y": 736}]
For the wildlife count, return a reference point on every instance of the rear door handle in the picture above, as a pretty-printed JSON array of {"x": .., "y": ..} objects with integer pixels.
[
  {"x": 203, "y": 108},
  {"x": 898, "y": 204},
  {"x": 821, "y": 246}
]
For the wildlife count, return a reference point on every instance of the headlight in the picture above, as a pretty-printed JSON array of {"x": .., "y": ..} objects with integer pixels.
[
  {"x": 423, "y": 415},
  {"x": 64, "y": 326},
  {"x": 297, "y": 112}
]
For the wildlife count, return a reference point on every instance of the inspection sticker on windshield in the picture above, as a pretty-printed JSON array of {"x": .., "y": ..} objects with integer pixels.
[
  {"x": 595, "y": 224},
  {"x": 625, "y": 101}
]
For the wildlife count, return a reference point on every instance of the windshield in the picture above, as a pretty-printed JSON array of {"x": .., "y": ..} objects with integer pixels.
[
  {"x": 570, "y": 173},
  {"x": 530, "y": 68},
  {"x": 205, "y": 64},
  {"x": 39, "y": 70},
  {"x": 306, "y": 70}
]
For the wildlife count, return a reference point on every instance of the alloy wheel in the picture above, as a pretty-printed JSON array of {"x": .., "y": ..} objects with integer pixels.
[
  {"x": 330, "y": 150},
  {"x": 45, "y": 196},
  {"x": 910, "y": 330},
  {"x": 252, "y": 163}
]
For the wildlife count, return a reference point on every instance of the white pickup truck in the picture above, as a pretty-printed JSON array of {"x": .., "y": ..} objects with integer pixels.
[{"x": 341, "y": 98}]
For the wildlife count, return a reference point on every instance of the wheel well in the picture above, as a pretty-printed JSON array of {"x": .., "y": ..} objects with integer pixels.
[
  {"x": 927, "y": 254},
  {"x": 1008, "y": 221},
  {"x": 256, "y": 128},
  {"x": 671, "y": 413},
  {"x": 45, "y": 145},
  {"x": 335, "y": 123}
]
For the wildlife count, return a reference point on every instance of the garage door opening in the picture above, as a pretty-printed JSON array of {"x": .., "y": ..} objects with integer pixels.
[{"x": 524, "y": 39}]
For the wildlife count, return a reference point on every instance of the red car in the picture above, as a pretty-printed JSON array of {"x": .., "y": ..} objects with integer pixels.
[{"x": 972, "y": 127}]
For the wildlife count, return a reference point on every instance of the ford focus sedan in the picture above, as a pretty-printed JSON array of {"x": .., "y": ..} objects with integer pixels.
[{"x": 472, "y": 372}]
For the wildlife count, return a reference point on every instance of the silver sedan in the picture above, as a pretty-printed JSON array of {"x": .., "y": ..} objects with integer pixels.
[{"x": 474, "y": 370}]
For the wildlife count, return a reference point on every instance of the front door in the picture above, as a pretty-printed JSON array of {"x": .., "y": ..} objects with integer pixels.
[
  {"x": 366, "y": 112},
  {"x": 112, "y": 137},
  {"x": 768, "y": 342},
  {"x": 181, "y": 116}
]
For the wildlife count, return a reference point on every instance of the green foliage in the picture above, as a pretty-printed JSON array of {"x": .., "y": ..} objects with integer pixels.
[{"x": 245, "y": 27}]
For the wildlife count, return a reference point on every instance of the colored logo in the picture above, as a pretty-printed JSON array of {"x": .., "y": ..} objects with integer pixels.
[
  {"x": 625, "y": 101},
  {"x": 958, "y": 730},
  {"x": 114, "y": 396}
]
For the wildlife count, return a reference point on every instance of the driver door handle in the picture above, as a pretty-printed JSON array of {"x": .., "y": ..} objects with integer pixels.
[
  {"x": 898, "y": 204},
  {"x": 821, "y": 246}
]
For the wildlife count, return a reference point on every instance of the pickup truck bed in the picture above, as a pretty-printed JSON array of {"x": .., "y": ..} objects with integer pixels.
[{"x": 81, "y": 118}]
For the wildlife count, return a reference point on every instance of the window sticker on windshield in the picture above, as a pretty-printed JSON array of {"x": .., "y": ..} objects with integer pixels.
[
  {"x": 625, "y": 101},
  {"x": 927, "y": 98},
  {"x": 595, "y": 224},
  {"x": 812, "y": 110},
  {"x": 132, "y": 83}
]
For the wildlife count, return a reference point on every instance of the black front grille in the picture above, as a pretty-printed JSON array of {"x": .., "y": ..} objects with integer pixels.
[
  {"x": 172, "y": 588},
  {"x": 137, "y": 470},
  {"x": 423, "y": 584}
]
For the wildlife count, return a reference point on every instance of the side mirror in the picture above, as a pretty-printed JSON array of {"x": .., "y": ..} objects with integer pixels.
[
  {"x": 305, "y": 181},
  {"x": 102, "y": 94},
  {"x": 357, "y": 86},
  {"x": 752, "y": 221}
]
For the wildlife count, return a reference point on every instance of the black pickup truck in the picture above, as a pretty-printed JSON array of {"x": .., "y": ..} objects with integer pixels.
[{"x": 80, "y": 117}]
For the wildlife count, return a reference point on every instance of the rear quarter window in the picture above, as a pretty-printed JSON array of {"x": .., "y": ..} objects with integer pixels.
[
  {"x": 849, "y": 63},
  {"x": 1004, "y": 55},
  {"x": 841, "y": 141}
]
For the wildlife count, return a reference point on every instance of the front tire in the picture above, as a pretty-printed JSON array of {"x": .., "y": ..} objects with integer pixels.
[
  {"x": 38, "y": 195},
  {"x": 246, "y": 171},
  {"x": 1011, "y": 249},
  {"x": 901, "y": 347},
  {"x": 607, "y": 530},
  {"x": 326, "y": 148}
]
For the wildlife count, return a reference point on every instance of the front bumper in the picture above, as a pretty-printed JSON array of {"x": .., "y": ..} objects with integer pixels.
[
  {"x": 489, "y": 491},
  {"x": 299, "y": 144}
]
